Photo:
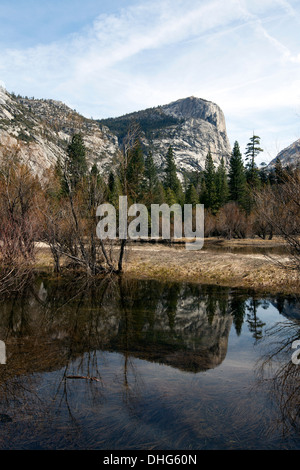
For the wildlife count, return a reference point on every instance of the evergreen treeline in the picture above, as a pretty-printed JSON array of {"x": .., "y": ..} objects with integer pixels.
[
  {"x": 227, "y": 192},
  {"x": 213, "y": 187}
]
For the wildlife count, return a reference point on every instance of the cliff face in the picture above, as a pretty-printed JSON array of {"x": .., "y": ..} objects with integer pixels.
[
  {"x": 192, "y": 126},
  {"x": 41, "y": 130},
  {"x": 290, "y": 156}
]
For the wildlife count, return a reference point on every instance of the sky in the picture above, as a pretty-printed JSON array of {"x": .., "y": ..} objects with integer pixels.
[{"x": 106, "y": 58}]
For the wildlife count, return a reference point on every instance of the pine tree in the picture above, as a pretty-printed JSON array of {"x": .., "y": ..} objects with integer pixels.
[
  {"x": 237, "y": 177},
  {"x": 76, "y": 164},
  {"x": 153, "y": 190},
  {"x": 135, "y": 171},
  {"x": 159, "y": 196},
  {"x": 210, "y": 193},
  {"x": 61, "y": 189},
  {"x": 191, "y": 196},
  {"x": 222, "y": 184},
  {"x": 171, "y": 180},
  {"x": 252, "y": 150},
  {"x": 170, "y": 197},
  {"x": 150, "y": 173},
  {"x": 114, "y": 189},
  {"x": 150, "y": 183}
]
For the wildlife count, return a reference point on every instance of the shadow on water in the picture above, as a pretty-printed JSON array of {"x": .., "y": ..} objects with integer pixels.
[{"x": 119, "y": 364}]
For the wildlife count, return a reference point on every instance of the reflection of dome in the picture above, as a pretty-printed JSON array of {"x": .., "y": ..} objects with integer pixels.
[
  {"x": 182, "y": 328},
  {"x": 290, "y": 308},
  {"x": 196, "y": 360},
  {"x": 194, "y": 344}
]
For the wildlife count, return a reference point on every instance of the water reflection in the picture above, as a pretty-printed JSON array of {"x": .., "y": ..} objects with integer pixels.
[
  {"x": 184, "y": 326},
  {"x": 105, "y": 355},
  {"x": 279, "y": 374}
]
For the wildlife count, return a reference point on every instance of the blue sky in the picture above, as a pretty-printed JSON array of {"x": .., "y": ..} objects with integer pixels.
[{"x": 107, "y": 58}]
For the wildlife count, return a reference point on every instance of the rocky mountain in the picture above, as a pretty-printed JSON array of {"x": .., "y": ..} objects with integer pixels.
[
  {"x": 289, "y": 156},
  {"x": 192, "y": 126},
  {"x": 40, "y": 129}
]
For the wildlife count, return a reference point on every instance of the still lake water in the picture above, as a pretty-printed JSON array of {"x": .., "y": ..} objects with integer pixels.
[{"x": 148, "y": 365}]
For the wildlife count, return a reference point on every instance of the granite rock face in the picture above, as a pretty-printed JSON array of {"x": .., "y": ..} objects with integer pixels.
[
  {"x": 289, "y": 156},
  {"x": 41, "y": 130},
  {"x": 192, "y": 126}
]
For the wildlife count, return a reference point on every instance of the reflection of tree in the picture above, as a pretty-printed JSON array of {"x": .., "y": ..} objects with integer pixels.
[
  {"x": 131, "y": 389},
  {"x": 277, "y": 371},
  {"x": 170, "y": 301},
  {"x": 255, "y": 325},
  {"x": 238, "y": 310},
  {"x": 211, "y": 305},
  {"x": 33, "y": 326}
]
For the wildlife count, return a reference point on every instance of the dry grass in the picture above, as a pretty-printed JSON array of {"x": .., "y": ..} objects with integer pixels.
[
  {"x": 214, "y": 264},
  {"x": 236, "y": 269}
]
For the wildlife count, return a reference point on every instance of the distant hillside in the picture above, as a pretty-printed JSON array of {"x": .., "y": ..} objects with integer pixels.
[
  {"x": 192, "y": 126},
  {"x": 290, "y": 156},
  {"x": 42, "y": 128}
]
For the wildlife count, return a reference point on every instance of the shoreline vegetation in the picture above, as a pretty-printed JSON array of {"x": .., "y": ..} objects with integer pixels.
[
  {"x": 254, "y": 264},
  {"x": 251, "y": 220}
]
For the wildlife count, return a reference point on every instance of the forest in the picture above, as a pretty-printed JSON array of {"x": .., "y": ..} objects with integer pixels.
[{"x": 58, "y": 208}]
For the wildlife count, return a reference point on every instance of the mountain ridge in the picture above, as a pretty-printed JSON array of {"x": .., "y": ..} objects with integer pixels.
[
  {"x": 192, "y": 126},
  {"x": 42, "y": 128},
  {"x": 289, "y": 156}
]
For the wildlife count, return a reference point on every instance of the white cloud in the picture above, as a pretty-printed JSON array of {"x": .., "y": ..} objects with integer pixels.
[{"x": 155, "y": 52}]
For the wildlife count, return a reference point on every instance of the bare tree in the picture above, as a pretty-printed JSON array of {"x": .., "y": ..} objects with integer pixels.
[
  {"x": 233, "y": 222},
  {"x": 19, "y": 189},
  {"x": 280, "y": 208},
  {"x": 68, "y": 216}
]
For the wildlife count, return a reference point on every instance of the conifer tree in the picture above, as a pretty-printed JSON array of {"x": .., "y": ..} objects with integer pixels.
[
  {"x": 171, "y": 180},
  {"x": 76, "y": 164},
  {"x": 252, "y": 150},
  {"x": 150, "y": 173},
  {"x": 153, "y": 190},
  {"x": 114, "y": 189},
  {"x": 222, "y": 187},
  {"x": 191, "y": 196},
  {"x": 170, "y": 197},
  {"x": 210, "y": 193},
  {"x": 237, "y": 177},
  {"x": 96, "y": 184},
  {"x": 159, "y": 196},
  {"x": 111, "y": 182},
  {"x": 135, "y": 171},
  {"x": 61, "y": 189}
]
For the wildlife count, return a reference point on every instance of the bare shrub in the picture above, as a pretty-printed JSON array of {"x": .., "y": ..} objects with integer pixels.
[
  {"x": 233, "y": 222},
  {"x": 280, "y": 209},
  {"x": 209, "y": 223},
  {"x": 19, "y": 228}
]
